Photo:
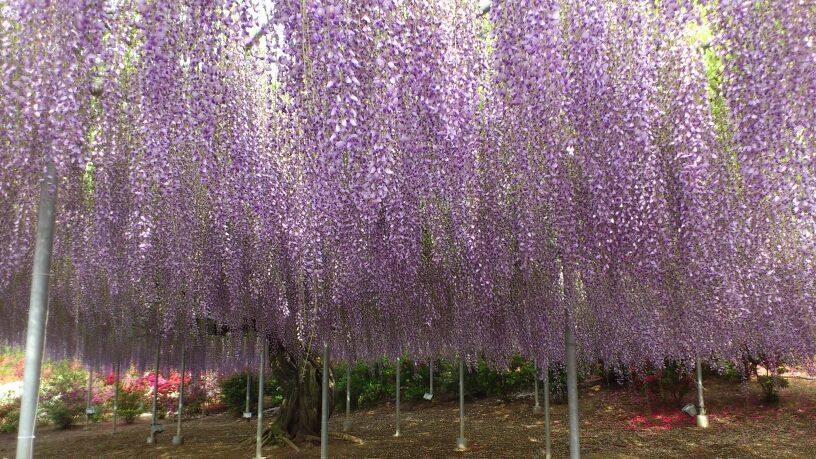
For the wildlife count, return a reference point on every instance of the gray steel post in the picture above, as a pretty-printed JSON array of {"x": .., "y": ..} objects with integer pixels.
[
  {"x": 398, "y": 433},
  {"x": 430, "y": 373},
  {"x": 247, "y": 413},
  {"x": 536, "y": 406},
  {"x": 260, "y": 428},
  {"x": 88, "y": 399},
  {"x": 347, "y": 421},
  {"x": 572, "y": 387},
  {"x": 702, "y": 417},
  {"x": 324, "y": 406},
  {"x": 461, "y": 442},
  {"x": 154, "y": 426},
  {"x": 37, "y": 313},
  {"x": 547, "y": 433},
  {"x": 178, "y": 439},
  {"x": 116, "y": 396},
  {"x": 429, "y": 395}
]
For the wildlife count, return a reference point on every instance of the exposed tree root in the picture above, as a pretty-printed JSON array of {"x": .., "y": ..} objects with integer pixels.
[
  {"x": 346, "y": 437},
  {"x": 273, "y": 435},
  {"x": 289, "y": 443}
]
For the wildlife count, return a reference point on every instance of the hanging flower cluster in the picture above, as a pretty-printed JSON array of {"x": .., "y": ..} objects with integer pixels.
[{"x": 407, "y": 176}]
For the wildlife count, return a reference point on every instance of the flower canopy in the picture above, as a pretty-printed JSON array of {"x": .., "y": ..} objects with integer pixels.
[{"x": 399, "y": 176}]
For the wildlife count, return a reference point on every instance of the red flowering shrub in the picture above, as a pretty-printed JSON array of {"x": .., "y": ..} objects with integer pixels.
[
  {"x": 19, "y": 367},
  {"x": 136, "y": 391},
  {"x": 205, "y": 395},
  {"x": 132, "y": 395},
  {"x": 9, "y": 416},
  {"x": 64, "y": 392},
  {"x": 167, "y": 390},
  {"x": 671, "y": 383}
]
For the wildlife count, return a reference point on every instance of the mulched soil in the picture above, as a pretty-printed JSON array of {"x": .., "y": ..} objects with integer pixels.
[{"x": 614, "y": 424}]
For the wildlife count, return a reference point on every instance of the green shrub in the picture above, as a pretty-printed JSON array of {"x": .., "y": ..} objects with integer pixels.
[
  {"x": 616, "y": 375},
  {"x": 233, "y": 392},
  {"x": 673, "y": 381},
  {"x": 130, "y": 405},
  {"x": 64, "y": 394},
  {"x": 195, "y": 397},
  {"x": 63, "y": 413},
  {"x": 378, "y": 386},
  {"x": 417, "y": 380},
  {"x": 369, "y": 383},
  {"x": 557, "y": 376},
  {"x": 490, "y": 382},
  {"x": 376, "y": 382},
  {"x": 9, "y": 417},
  {"x": 771, "y": 384},
  {"x": 677, "y": 380},
  {"x": 730, "y": 373}
]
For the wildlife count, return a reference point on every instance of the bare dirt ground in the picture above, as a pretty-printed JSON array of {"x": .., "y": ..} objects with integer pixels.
[{"x": 614, "y": 424}]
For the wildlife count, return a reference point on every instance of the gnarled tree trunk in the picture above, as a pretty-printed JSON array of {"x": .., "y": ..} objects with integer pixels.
[{"x": 301, "y": 379}]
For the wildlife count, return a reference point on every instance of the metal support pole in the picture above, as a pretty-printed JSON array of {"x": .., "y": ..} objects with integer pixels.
[
  {"x": 702, "y": 417},
  {"x": 260, "y": 428},
  {"x": 429, "y": 395},
  {"x": 116, "y": 396},
  {"x": 536, "y": 406},
  {"x": 347, "y": 421},
  {"x": 324, "y": 407},
  {"x": 178, "y": 439},
  {"x": 155, "y": 427},
  {"x": 203, "y": 372},
  {"x": 430, "y": 374},
  {"x": 37, "y": 313},
  {"x": 89, "y": 399},
  {"x": 572, "y": 388},
  {"x": 547, "y": 432},
  {"x": 461, "y": 443},
  {"x": 398, "y": 433},
  {"x": 247, "y": 412}
]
